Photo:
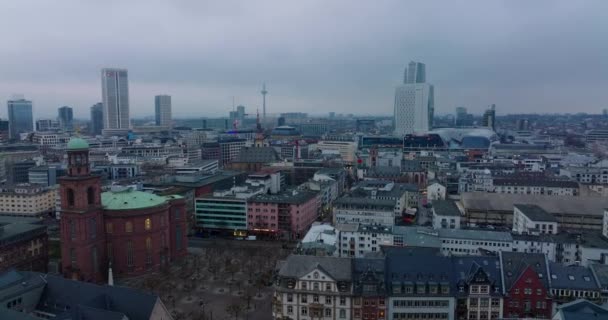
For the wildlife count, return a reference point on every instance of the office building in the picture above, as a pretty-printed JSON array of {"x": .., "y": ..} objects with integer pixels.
[
  {"x": 96, "y": 119},
  {"x": 489, "y": 117},
  {"x": 115, "y": 94},
  {"x": 463, "y": 119},
  {"x": 162, "y": 107},
  {"x": 66, "y": 118},
  {"x": 414, "y": 102},
  {"x": 4, "y": 129},
  {"x": 44, "y": 125},
  {"x": 20, "y": 118}
]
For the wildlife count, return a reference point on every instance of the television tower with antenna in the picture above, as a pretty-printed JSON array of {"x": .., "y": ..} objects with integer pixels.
[{"x": 264, "y": 92}]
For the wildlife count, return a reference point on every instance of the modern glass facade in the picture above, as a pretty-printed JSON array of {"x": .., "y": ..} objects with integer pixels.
[
  {"x": 221, "y": 213},
  {"x": 20, "y": 117}
]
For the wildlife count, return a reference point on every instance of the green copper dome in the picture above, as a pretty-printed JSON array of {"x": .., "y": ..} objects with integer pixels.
[
  {"x": 128, "y": 199},
  {"x": 77, "y": 143}
]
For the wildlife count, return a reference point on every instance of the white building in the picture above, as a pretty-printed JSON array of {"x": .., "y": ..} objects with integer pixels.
[
  {"x": 162, "y": 108},
  {"x": 355, "y": 240},
  {"x": 473, "y": 242},
  {"x": 311, "y": 287},
  {"x": 446, "y": 215},
  {"x": 435, "y": 191},
  {"x": 115, "y": 95},
  {"x": 346, "y": 149},
  {"x": 414, "y": 102},
  {"x": 364, "y": 210},
  {"x": 532, "y": 219}
]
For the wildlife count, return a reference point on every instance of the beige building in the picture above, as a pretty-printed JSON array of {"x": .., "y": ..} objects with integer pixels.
[{"x": 27, "y": 200}]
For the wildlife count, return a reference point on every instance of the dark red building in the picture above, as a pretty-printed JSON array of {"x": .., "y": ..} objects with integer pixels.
[
  {"x": 134, "y": 231},
  {"x": 526, "y": 285},
  {"x": 370, "y": 295}
]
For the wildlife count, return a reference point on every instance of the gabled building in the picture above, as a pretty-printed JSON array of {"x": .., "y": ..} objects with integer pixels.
[
  {"x": 310, "y": 287},
  {"x": 581, "y": 310},
  {"x": 526, "y": 284},
  {"x": 479, "y": 287},
  {"x": 573, "y": 282},
  {"x": 369, "y": 289}
]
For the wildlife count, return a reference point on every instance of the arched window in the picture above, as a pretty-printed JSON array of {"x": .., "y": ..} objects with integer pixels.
[
  {"x": 70, "y": 195},
  {"x": 72, "y": 230},
  {"x": 128, "y": 226},
  {"x": 91, "y": 195},
  {"x": 148, "y": 224}
]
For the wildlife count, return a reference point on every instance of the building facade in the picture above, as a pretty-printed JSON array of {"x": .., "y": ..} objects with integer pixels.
[
  {"x": 66, "y": 118},
  {"x": 96, "y": 124},
  {"x": 20, "y": 117},
  {"x": 115, "y": 95},
  {"x": 414, "y": 102},
  {"x": 134, "y": 232},
  {"x": 162, "y": 109}
]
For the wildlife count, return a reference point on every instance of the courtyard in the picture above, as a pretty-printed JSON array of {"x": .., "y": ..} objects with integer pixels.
[{"x": 219, "y": 280}]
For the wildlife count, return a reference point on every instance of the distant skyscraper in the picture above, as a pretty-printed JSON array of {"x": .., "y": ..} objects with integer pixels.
[
  {"x": 96, "y": 119},
  {"x": 489, "y": 118},
  {"x": 115, "y": 96},
  {"x": 66, "y": 118},
  {"x": 414, "y": 102},
  {"x": 264, "y": 92},
  {"x": 3, "y": 134},
  {"x": 162, "y": 106},
  {"x": 20, "y": 117}
]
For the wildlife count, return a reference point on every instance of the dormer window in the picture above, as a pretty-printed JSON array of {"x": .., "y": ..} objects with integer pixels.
[{"x": 315, "y": 275}]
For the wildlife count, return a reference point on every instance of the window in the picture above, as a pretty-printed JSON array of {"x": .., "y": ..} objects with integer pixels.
[
  {"x": 304, "y": 311},
  {"x": 148, "y": 224},
  {"x": 93, "y": 228},
  {"x": 110, "y": 252},
  {"x": 315, "y": 298},
  {"x": 304, "y": 298},
  {"x": 342, "y": 301},
  {"x": 289, "y": 310},
  {"x": 73, "y": 259},
  {"x": 178, "y": 237},
  {"x": 315, "y": 286},
  {"x": 327, "y": 299},
  {"x": 528, "y": 291},
  {"x": 304, "y": 286},
  {"x": 109, "y": 227},
  {"x": 128, "y": 227},
  {"x": 342, "y": 313},
  {"x": 148, "y": 251},
  {"x": 72, "y": 230},
  {"x": 91, "y": 195},
  {"x": 94, "y": 259},
  {"x": 177, "y": 214},
  {"x": 328, "y": 312},
  {"x": 129, "y": 253},
  {"x": 70, "y": 196},
  {"x": 328, "y": 287}
]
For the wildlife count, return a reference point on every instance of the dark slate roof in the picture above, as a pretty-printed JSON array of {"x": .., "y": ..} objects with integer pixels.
[
  {"x": 75, "y": 294},
  {"x": 446, "y": 208},
  {"x": 582, "y": 310},
  {"x": 417, "y": 265},
  {"x": 410, "y": 166},
  {"x": 384, "y": 171},
  {"x": 257, "y": 155},
  {"x": 465, "y": 267},
  {"x": 572, "y": 277},
  {"x": 601, "y": 273},
  {"x": 513, "y": 264},
  {"x": 549, "y": 183},
  {"x": 8, "y": 314},
  {"x": 535, "y": 213},
  {"x": 369, "y": 271},
  {"x": 288, "y": 196},
  {"x": 297, "y": 266}
]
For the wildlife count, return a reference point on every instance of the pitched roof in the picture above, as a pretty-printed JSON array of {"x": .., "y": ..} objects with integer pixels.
[
  {"x": 514, "y": 264},
  {"x": 446, "y": 208},
  {"x": 297, "y": 266},
  {"x": 572, "y": 277},
  {"x": 582, "y": 310},
  {"x": 535, "y": 213}
]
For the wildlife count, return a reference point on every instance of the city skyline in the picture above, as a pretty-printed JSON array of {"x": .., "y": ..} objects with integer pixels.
[{"x": 334, "y": 65}]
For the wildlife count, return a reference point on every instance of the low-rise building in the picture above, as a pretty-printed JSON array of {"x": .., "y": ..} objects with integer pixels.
[
  {"x": 310, "y": 287},
  {"x": 23, "y": 244},
  {"x": 573, "y": 282},
  {"x": 446, "y": 215},
  {"x": 479, "y": 287},
  {"x": 532, "y": 219},
  {"x": 364, "y": 210},
  {"x": 474, "y": 242},
  {"x": 27, "y": 200}
]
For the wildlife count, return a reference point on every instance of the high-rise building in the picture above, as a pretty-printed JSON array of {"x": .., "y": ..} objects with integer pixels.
[
  {"x": 115, "y": 96},
  {"x": 489, "y": 117},
  {"x": 414, "y": 102},
  {"x": 4, "y": 131},
  {"x": 20, "y": 117},
  {"x": 463, "y": 118},
  {"x": 66, "y": 118},
  {"x": 96, "y": 118},
  {"x": 162, "y": 107}
]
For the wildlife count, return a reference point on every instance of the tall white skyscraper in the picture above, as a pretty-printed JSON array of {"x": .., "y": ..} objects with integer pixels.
[
  {"x": 115, "y": 96},
  {"x": 162, "y": 107},
  {"x": 414, "y": 102}
]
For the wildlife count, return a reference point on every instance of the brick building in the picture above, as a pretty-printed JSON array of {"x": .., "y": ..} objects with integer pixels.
[
  {"x": 135, "y": 232},
  {"x": 23, "y": 244}
]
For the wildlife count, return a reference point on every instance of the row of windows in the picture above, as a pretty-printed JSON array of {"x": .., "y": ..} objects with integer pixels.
[
  {"x": 420, "y": 316},
  {"x": 317, "y": 313},
  {"x": 421, "y": 303}
]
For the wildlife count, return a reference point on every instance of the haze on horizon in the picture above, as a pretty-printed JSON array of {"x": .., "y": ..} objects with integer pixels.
[{"x": 316, "y": 56}]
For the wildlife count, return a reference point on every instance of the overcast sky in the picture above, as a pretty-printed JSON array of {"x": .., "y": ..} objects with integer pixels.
[{"x": 316, "y": 56}]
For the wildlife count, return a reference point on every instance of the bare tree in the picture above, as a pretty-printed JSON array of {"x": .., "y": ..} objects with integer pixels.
[{"x": 234, "y": 309}]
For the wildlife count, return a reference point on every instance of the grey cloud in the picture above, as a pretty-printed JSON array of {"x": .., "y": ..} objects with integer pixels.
[{"x": 344, "y": 56}]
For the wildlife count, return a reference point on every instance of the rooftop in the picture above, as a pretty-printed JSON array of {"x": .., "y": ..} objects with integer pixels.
[
  {"x": 129, "y": 199},
  {"x": 572, "y": 277},
  {"x": 476, "y": 234},
  {"x": 77, "y": 144},
  {"x": 289, "y": 197},
  {"x": 297, "y": 266},
  {"x": 535, "y": 213},
  {"x": 446, "y": 208}
]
